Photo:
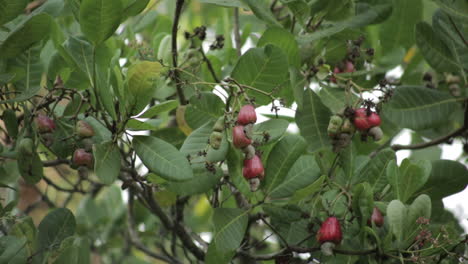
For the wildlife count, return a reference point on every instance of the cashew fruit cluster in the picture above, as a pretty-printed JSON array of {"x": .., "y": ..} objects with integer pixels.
[
  {"x": 242, "y": 134},
  {"x": 330, "y": 235},
  {"x": 46, "y": 127},
  {"x": 343, "y": 125},
  {"x": 82, "y": 157}
]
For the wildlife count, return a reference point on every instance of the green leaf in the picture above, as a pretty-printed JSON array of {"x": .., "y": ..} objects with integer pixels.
[
  {"x": 397, "y": 215},
  {"x": 10, "y": 9},
  {"x": 30, "y": 167},
  {"x": 434, "y": 50},
  {"x": 274, "y": 128},
  {"x": 135, "y": 7},
  {"x": 74, "y": 250},
  {"x": 312, "y": 119},
  {"x": 283, "y": 39},
  {"x": 335, "y": 98},
  {"x": 137, "y": 125},
  {"x": 100, "y": 18},
  {"x": 214, "y": 256},
  {"x": 360, "y": 20},
  {"x": 421, "y": 207},
  {"x": 30, "y": 67},
  {"x": 230, "y": 226},
  {"x": 55, "y": 227},
  {"x": 308, "y": 191},
  {"x": 202, "y": 181},
  {"x": 457, "y": 8},
  {"x": 203, "y": 107},
  {"x": 162, "y": 158},
  {"x": 160, "y": 108},
  {"x": 363, "y": 201},
  {"x": 141, "y": 83},
  {"x": 281, "y": 158},
  {"x": 25, "y": 229},
  {"x": 13, "y": 250},
  {"x": 225, "y": 3},
  {"x": 305, "y": 171},
  {"x": 24, "y": 35},
  {"x": 351, "y": 163},
  {"x": 261, "y": 11},
  {"x": 398, "y": 31},
  {"x": 107, "y": 161},
  {"x": 407, "y": 179},
  {"x": 447, "y": 177},
  {"x": 419, "y": 108},
  {"x": 375, "y": 171},
  {"x": 79, "y": 54},
  {"x": 11, "y": 122},
  {"x": 453, "y": 32},
  {"x": 235, "y": 163},
  {"x": 197, "y": 141},
  {"x": 265, "y": 69}
]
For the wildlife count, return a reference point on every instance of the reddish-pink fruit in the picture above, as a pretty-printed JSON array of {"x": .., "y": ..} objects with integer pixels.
[
  {"x": 83, "y": 158},
  {"x": 374, "y": 119},
  {"x": 360, "y": 119},
  {"x": 349, "y": 66},
  {"x": 44, "y": 124},
  {"x": 247, "y": 115},
  {"x": 336, "y": 70},
  {"x": 253, "y": 168},
  {"x": 361, "y": 112},
  {"x": 83, "y": 129},
  {"x": 239, "y": 138},
  {"x": 330, "y": 231},
  {"x": 376, "y": 218},
  {"x": 361, "y": 123}
]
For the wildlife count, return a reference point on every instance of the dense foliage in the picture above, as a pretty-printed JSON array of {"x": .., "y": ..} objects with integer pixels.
[{"x": 131, "y": 130}]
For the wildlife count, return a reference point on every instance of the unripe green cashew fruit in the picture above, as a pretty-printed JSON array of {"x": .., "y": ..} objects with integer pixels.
[
  {"x": 219, "y": 125},
  {"x": 26, "y": 146},
  {"x": 215, "y": 139},
  {"x": 83, "y": 129},
  {"x": 348, "y": 127},
  {"x": 334, "y": 125}
]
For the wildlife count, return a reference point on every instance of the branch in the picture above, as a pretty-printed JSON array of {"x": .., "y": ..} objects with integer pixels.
[
  {"x": 438, "y": 140},
  {"x": 180, "y": 230},
  {"x": 210, "y": 66},
  {"x": 237, "y": 37},
  {"x": 175, "y": 26},
  {"x": 53, "y": 163},
  {"x": 58, "y": 188},
  {"x": 307, "y": 250},
  {"x": 135, "y": 240}
]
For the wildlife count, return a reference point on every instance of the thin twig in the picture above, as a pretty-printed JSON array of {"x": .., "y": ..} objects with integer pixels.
[
  {"x": 438, "y": 140},
  {"x": 175, "y": 27}
]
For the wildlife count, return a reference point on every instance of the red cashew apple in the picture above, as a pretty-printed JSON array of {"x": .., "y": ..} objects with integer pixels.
[
  {"x": 44, "y": 124},
  {"x": 247, "y": 115},
  {"x": 330, "y": 231},
  {"x": 239, "y": 137},
  {"x": 376, "y": 218},
  {"x": 253, "y": 168},
  {"x": 83, "y": 158},
  {"x": 349, "y": 66},
  {"x": 374, "y": 119}
]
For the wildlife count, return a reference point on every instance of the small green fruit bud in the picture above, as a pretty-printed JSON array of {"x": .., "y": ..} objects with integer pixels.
[
  {"x": 26, "y": 146},
  {"x": 83, "y": 129},
  {"x": 215, "y": 139},
  {"x": 219, "y": 125}
]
